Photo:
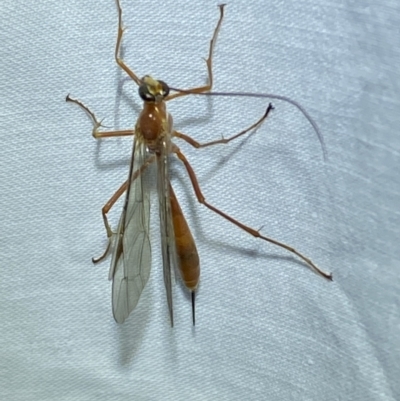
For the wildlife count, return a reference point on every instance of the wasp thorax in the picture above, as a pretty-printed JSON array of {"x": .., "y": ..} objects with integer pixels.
[{"x": 153, "y": 90}]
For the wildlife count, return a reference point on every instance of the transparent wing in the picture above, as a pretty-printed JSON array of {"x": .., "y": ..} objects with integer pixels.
[
  {"x": 131, "y": 260},
  {"x": 166, "y": 226}
]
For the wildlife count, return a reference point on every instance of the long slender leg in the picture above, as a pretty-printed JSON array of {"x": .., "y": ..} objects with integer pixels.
[
  {"x": 209, "y": 85},
  {"x": 119, "y": 60},
  {"x": 107, "y": 207},
  {"x": 249, "y": 230},
  {"x": 197, "y": 145},
  {"x": 97, "y": 124}
]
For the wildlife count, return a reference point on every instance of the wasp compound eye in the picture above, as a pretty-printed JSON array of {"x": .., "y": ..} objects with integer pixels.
[
  {"x": 151, "y": 90},
  {"x": 145, "y": 93},
  {"x": 164, "y": 88}
]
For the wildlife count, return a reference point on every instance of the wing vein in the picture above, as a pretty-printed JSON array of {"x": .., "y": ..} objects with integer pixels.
[{"x": 131, "y": 261}]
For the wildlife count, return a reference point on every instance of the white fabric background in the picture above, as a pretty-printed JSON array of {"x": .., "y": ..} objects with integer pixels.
[{"x": 267, "y": 327}]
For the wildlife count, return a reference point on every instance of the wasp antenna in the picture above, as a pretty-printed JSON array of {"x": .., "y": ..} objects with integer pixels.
[{"x": 268, "y": 96}]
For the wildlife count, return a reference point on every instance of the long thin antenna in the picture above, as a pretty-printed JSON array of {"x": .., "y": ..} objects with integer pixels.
[{"x": 269, "y": 96}]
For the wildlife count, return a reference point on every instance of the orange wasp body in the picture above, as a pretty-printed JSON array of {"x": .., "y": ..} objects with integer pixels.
[{"x": 153, "y": 133}]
